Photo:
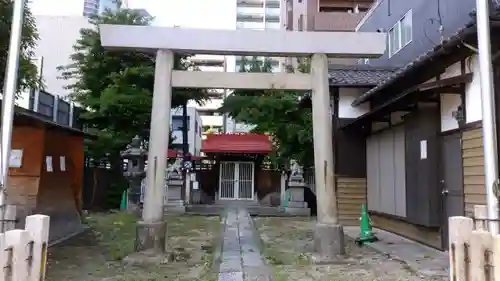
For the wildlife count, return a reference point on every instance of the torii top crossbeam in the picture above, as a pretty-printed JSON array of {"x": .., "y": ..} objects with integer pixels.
[{"x": 275, "y": 43}]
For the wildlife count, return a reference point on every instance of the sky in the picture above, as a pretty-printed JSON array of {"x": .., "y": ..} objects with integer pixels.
[{"x": 213, "y": 14}]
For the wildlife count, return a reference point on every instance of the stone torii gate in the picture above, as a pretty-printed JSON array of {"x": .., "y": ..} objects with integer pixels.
[{"x": 165, "y": 41}]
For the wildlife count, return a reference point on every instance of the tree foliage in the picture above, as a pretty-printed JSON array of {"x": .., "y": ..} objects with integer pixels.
[
  {"x": 116, "y": 86},
  {"x": 27, "y": 69},
  {"x": 277, "y": 113}
]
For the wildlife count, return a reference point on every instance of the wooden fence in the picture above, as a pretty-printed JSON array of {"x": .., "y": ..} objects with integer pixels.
[
  {"x": 23, "y": 252},
  {"x": 474, "y": 252}
]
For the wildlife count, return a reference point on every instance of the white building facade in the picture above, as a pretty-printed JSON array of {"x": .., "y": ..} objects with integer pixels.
[
  {"x": 57, "y": 35},
  {"x": 194, "y": 129},
  {"x": 259, "y": 15}
]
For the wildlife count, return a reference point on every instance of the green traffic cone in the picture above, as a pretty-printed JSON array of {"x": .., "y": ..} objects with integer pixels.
[
  {"x": 124, "y": 202},
  {"x": 366, "y": 234}
]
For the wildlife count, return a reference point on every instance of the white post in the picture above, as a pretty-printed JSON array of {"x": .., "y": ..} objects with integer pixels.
[
  {"x": 38, "y": 228},
  {"x": 282, "y": 188},
  {"x": 488, "y": 110},
  {"x": 18, "y": 240},
  {"x": 187, "y": 198},
  {"x": 329, "y": 234},
  {"x": 9, "y": 94},
  {"x": 152, "y": 230}
]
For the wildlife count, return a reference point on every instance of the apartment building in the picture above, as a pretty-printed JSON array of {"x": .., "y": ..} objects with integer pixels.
[
  {"x": 211, "y": 119},
  {"x": 194, "y": 129},
  {"x": 259, "y": 15},
  {"x": 323, "y": 15}
]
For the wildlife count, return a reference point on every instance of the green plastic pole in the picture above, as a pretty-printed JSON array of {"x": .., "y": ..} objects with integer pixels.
[
  {"x": 124, "y": 202},
  {"x": 365, "y": 232},
  {"x": 287, "y": 198}
]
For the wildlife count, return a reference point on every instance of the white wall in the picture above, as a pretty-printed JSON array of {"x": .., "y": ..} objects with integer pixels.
[
  {"x": 58, "y": 34},
  {"x": 449, "y": 102},
  {"x": 346, "y": 97}
]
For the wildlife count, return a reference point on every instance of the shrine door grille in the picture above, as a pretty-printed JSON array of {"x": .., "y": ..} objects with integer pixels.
[{"x": 236, "y": 181}]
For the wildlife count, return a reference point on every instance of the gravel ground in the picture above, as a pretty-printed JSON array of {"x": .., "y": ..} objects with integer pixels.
[
  {"x": 97, "y": 254},
  {"x": 288, "y": 244}
]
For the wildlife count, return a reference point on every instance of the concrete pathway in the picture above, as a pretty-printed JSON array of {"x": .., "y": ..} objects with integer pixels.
[
  {"x": 426, "y": 261},
  {"x": 241, "y": 259}
]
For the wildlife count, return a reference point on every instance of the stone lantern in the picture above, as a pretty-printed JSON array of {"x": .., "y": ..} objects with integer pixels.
[
  {"x": 136, "y": 158},
  {"x": 294, "y": 203}
]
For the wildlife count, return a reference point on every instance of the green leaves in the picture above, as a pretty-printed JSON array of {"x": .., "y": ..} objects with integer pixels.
[
  {"x": 116, "y": 86},
  {"x": 27, "y": 69},
  {"x": 275, "y": 112}
]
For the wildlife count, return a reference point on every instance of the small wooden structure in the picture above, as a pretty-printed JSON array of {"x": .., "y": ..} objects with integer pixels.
[
  {"x": 237, "y": 160},
  {"x": 46, "y": 171}
]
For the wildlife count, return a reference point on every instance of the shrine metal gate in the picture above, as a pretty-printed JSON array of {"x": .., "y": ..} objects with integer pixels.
[{"x": 236, "y": 181}]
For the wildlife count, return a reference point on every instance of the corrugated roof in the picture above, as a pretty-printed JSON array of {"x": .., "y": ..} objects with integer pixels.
[
  {"x": 357, "y": 75},
  {"x": 237, "y": 143}
]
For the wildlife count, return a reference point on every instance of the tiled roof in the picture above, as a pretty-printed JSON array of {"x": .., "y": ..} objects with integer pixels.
[
  {"x": 237, "y": 143},
  {"x": 357, "y": 75}
]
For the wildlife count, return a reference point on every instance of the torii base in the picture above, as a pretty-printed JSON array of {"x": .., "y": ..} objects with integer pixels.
[
  {"x": 328, "y": 243},
  {"x": 151, "y": 236}
]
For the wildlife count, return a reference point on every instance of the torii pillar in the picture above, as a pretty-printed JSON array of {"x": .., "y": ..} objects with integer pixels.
[{"x": 164, "y": 42}]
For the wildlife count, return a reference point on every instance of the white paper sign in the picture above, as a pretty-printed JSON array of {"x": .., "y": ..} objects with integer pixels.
[
  {"x": 195, "y": 185},
  {"x": 48, "y": 163},
  {"x": 62, "y": 163},
  {"x": 423, "y": 149},
  {"x": 16, "y": 158}
]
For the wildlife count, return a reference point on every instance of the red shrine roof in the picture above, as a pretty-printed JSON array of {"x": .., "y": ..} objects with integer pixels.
[{"x": 237, "y": 143}]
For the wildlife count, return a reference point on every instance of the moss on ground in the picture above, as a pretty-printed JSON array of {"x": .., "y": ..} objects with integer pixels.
[
  {"x": 288, "y": 247},
  {"x": 97, "y": 254}
]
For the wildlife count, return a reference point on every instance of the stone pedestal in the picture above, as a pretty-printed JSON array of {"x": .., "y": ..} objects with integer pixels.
[
  {"x": 328, "y": 243},
  {"x": 296, "y": 205},
  {"x": 151, "y": 236},
  {"x": 175, "y": 202}
]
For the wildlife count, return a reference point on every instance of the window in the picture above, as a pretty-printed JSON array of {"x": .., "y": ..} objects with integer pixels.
[
  {"x": 177, "y": 123},
  {"x": 63, "y": 109},
  {"x": 400, "y": 34},
  {"x": 364, "y": 61},
  {"x": 46, "y": 104}
]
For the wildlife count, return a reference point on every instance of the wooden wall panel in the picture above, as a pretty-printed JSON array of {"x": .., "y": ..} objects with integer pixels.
[
  {"x": 428, "y": 236},
  {"x": 23, "y": 182},
  {"x": 351, "y": 194},
  {"x": 473, "y": 165},
  {"x": 60, "y": 190}
]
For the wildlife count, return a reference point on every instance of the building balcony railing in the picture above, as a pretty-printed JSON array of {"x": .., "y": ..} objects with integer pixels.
[
  {"x": 250, "y": 3},
  {"x": 273, "y": 4},
  {"x": 250, "y": 17},
  {"x": 272, "y": 12},
  {"x": 273, "y": 18},
  {"x": 249, "y": 11}
]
